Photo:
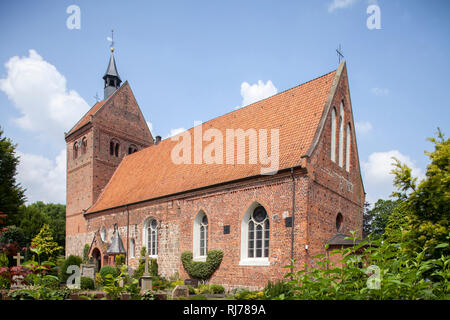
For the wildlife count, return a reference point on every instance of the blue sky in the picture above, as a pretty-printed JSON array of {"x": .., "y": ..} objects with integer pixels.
[{"x": 190, "y": 60}]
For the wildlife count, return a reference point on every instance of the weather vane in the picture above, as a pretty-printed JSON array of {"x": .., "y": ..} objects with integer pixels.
[
  {"x": 339, "y": 53},
  {"x": 111, "y": 39}
]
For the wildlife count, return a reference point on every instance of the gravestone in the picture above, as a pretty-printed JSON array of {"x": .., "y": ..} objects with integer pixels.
[
  {"x": 17, "y": 282},
  {"x": 146, "y": 279},
  {"x": 88, "y": 270},
  {"x": 180, "y": 291},
  {"x": 191, "y": 282}
]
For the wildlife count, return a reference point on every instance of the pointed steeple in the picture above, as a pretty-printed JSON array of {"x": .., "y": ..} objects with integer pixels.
[{"x": 111, "y": 77}]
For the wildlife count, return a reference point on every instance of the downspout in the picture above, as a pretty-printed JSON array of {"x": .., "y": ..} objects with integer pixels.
[
  {"x": 128, "y": 232},
  {"x": 293, "y": 214}
]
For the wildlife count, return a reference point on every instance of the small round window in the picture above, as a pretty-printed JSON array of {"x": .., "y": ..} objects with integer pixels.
[{"x": 259, "y": 214}]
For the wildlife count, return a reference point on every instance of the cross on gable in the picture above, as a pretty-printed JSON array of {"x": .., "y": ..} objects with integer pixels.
[
  {"x": 18, "y": 257},
  {"x": 339, "y": 53}
]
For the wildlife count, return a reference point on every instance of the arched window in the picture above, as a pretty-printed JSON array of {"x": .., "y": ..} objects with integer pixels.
[
  {"x": 150, "y": 236},
  {"x": 132, "y": 248},
  {"x": 83, "y": 145},
  {"x": 255, "y": 235},
  {"x": 103, "y": 234},
  {"x": 341, "y": 136},
  {"x": 347, "y": 147},
  {"x": 75, "y": 150},
  {"x": 200, "y": 235},
  {"x": 116, "y": 149},
  {"x": 132, "y": 149},
  {"x": 333, "y": 135},
  {"x": 339, "y": 220}
]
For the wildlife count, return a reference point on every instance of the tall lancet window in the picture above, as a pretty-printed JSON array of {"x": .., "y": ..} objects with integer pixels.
[
  {"x": 347, "y": 147},
  {"x": 333, "y": 135},
  {"x": 341, "y": 136},
  {"x": 200, "y": 236},
  {"x": 150, "y": 236}
]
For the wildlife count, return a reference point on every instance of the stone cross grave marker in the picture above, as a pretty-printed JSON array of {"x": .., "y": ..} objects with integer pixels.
[{"x": 18, "y": 257}]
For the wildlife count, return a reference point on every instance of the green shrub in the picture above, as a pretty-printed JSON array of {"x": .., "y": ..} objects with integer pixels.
[
  {"x": 154, "y": 267},
  {"x": 50, "y": 282},
  {"x": 98, "y": 280},
  {"x": 87, "y": 283},
  {"x": 279, "y": 289},
  {"x": 249, "y": 295},
  {"x": 173, "y": 284},
  {"x": 191, "y": 289},
  {"x": 4, "y": 283},
  {"x": 119, "y": 261},
  {"x": 198, "y": 297},
  {"x": 86, "y": 252},
  {"x": 199, "y": 269},
  {"x": 216, "y": 288},
  {"x": 3, "y": 260},
  {"x": 148, "y": 295},
  {"x": 203, "y": 288},
  {"x": 108, "y": 270},
  {"x": 71, "y": 260}
]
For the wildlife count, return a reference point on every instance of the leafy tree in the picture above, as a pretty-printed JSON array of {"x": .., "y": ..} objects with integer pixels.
[
  {"x": 31, "y": 221},
  {"x": 378, "y": 217},
  {"x": 54, "y": 214},
  {"x": 423, "y": 215},
  {"x": 11, "y": 193},
  {"x": 45, "y": 243}
]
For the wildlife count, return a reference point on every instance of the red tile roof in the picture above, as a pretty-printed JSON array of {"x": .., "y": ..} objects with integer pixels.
[{"x": 151, "y": 173}]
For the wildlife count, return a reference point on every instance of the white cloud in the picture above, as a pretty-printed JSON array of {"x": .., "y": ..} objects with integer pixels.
[
  {"x": 44, "y": 179},
  {"x": 256, "y": 92},
  {"x": 363, "y": 127},
  {"x": 174, "y": 132},
  {"x": 380, "y": 91},
  {"x": 39, "y": 92},
  {"x": 340, "y": 4},
  {"x": 378, "y": 181}
]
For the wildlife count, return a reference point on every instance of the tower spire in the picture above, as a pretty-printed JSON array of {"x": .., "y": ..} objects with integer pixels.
[{"x": 111, "y": 77}]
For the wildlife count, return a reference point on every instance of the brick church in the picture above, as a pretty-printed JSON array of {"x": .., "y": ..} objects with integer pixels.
[{"x": 124, "y": 190}]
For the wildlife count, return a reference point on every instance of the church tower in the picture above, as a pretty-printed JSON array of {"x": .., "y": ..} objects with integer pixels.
[
  {"x": 111, "y": 77},
  {"x": 112, "y": 129}
]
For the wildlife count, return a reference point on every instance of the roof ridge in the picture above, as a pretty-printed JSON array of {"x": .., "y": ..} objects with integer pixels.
[{"x": 251, "y": 104}]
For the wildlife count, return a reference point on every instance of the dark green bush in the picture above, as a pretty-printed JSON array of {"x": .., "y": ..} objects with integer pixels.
[
  {"x": 279, "y": 289},
  {"x": 87, "y": 283},
  {"x": 191, "y": 289},
  {"x": 199, "y": 269},
  {"x": 108, "y": 270},
  {"x": 216, "y": 288},
  {"x": 50, "y": 282},
  {"x": 71, "y": 260},
  {"x": 154, "y": 267}
]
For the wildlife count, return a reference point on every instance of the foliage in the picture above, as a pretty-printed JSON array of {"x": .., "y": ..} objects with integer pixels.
[
  {"x": 30, "y": 220},
  {"x": 39, "y": 293},
  {"x": 44, "y": 243},
  {"x": 159, "y": 283},
  {"x": 87, "y": 283},
  {"x": 154, "y": 267},
  {"x": 368, "y": 272},
  {"x": 86, "y": 252},
  {"x": 199, "y": 269},
  {"x": 377, "y": 217},
  {"x": 249, "y": 295},
  {"x": 148, "y": 295},
  {"x": 98, "y": 280},
  {"x": 119, "y": 261},
  {"x": 3, "y": 260},
  {"x": 54, "y": 214},
  {"x": 71, "y": 260},
  {"x": 278, "y": 290},
  {"x": 216, "y": 288},
  {"x": 191, "y": 289},
  {"x": 173, "y": 284},
  {"x": 105, "y": 270},
  {"x": 422, "y": 219},
  {"x": 198, "y": 297},
  {"x": 12, "y": 194},
  {"x": 112, "y": 286}
]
